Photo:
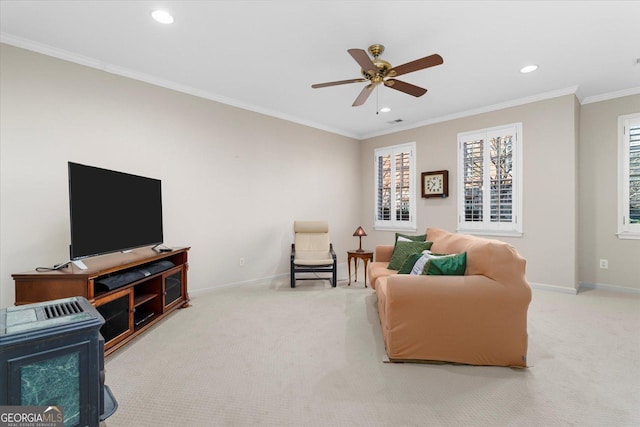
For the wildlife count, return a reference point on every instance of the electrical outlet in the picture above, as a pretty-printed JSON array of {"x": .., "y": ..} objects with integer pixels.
[
  {"x": 241, "y": 262},
  {"x": 604, "y": 263}
]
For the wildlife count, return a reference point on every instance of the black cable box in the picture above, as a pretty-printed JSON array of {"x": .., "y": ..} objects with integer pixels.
[{"x": 113, "y": 282}]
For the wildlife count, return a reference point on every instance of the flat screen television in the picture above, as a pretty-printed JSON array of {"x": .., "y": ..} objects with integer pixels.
[{"x": 112, "y": 211}]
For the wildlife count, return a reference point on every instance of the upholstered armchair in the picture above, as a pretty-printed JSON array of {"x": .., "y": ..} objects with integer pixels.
[{"x": 312, "y": 252}]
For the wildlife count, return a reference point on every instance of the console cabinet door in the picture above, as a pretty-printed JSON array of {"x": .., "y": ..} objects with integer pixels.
[
  {"x": 172, "y": 282},
  {"x": 117, "y": 310}
]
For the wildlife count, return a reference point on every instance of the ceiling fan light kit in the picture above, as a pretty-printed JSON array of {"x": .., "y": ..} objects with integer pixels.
[{"x": 377, "y": 71}]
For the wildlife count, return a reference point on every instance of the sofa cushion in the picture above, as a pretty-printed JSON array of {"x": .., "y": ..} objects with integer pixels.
[
  {"x": 406, "y": 237},
  {"x": 377, "y": 270},
  {"x": 421, "y": 263},
  {"x": 409, "y": 263},
  {"x": 488, "y": 257},
  {"x": 403, "y": 250},
  {"x": 383, "y": 253},
  {"x": 446, "y": 265}
]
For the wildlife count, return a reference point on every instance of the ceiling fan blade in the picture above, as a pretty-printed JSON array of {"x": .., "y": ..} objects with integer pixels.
[
  {"x": 362, "y": 58},
  {"x": 366, "y": 91},
  {"x": 340, "y": 82},
  {"x": 418, "y": 64},
  {"x": 405, "y": 87}
]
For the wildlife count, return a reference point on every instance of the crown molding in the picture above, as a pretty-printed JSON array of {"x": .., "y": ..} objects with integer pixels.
[
  {"x": 486, "y": 109},
  {"x": 611, "y": 95},
  {"x": 50, "y": 51},
  {"x": 128, "y": 73}
]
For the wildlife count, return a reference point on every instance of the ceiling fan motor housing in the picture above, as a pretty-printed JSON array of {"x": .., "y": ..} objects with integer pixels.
[
  {"x": 382, "y": 66},
  {"x": 376, "y": 50}
]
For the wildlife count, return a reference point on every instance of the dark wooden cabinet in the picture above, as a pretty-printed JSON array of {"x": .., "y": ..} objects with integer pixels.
[{"x": 129, "y": 309}]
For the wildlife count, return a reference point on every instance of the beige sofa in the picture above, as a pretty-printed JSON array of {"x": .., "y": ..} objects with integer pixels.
[{"x": 478, "y": 319}]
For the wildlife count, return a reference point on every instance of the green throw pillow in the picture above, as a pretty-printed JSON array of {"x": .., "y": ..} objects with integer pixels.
[
  {"x": 409, "y": 263},
  {"x": 422, "y": 238},
  {"x": 403, "y": 250},
  {"x": 448, "y": 265}
]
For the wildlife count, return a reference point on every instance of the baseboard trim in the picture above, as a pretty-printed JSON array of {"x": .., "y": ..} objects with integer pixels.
[
  {"x": 585, "y": 286},
  {"x": 342, "y": 277},
  {"x": 613, "y": 288},
  {"x": 200, "y": 291},
  {"x": 554, "y": 288}
]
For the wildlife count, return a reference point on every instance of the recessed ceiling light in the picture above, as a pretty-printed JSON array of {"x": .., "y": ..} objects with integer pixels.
[
  {"x": 162, "y": 16},
  {"x": 385, "y": 109},
  {"x": 528, "y": 68}
]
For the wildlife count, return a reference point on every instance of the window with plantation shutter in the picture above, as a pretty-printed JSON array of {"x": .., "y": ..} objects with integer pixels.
[
  {"x": 395, "y": 187},
  {"x": 489, "y": 183},
  {"x": 629, "y": 177}
]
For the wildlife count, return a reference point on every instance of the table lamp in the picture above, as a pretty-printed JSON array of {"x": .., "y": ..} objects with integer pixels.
[{"x": 359, "y": 233}]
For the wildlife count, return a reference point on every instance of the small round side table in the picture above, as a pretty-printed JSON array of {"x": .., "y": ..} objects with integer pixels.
[{"x": 364, "y": 255}]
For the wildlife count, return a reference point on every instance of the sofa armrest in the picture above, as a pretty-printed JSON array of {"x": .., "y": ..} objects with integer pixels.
[
  {"x": 464, "y": 319},
  {"x": 383, "y": 253}
]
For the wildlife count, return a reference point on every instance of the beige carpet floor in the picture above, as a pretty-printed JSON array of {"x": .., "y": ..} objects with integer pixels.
[{"x": 268, "y": 355}]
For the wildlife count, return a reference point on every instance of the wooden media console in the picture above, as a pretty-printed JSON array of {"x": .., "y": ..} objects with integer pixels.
[{"x": 155, "y": 284}]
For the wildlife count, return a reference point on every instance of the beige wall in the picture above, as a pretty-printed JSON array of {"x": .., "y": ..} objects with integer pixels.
[
  {"x": 599, "y": 197},
  {"x": 550, "y": 170},
  {"x": 233, "y": 180}
]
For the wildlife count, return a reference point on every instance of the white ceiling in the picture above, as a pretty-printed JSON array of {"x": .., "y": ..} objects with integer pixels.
[{"x": 264, "y": 55}]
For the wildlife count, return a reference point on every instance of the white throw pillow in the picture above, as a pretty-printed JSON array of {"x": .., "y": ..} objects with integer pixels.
[{"x": 420, "y": 263}]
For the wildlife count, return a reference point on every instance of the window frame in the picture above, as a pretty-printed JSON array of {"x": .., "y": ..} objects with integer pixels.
[
  {"x": 394, "y": 224},
  {"x": 626, "y": 230},
  {"x": 513, "y": 228}
]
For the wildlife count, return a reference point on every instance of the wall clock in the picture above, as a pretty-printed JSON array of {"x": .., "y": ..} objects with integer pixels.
[{"x": 435, "y": 184}]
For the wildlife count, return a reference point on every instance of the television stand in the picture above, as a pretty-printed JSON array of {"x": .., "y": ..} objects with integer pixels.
[{"x": 132, "y": 291}]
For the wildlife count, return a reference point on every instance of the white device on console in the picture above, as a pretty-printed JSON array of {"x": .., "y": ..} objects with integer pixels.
[{"x": 81, "y": 265}]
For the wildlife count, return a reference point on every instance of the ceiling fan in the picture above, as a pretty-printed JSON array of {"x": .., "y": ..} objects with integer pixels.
[{"x": 379, "y": 71}]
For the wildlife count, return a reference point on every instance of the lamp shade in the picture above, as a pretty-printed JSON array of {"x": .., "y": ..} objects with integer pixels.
[{"x": 360, "y": 232}]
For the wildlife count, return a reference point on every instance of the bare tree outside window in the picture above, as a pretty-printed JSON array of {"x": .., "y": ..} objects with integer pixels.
[
  {"x": 384, "y": 188},
  {"x": 501, "y": 178},
  {"x": 489, "y": 186},
  {"x": 473, "y": 180},
  {"x": 634, "y": 175},
  {"x": 403, "y": 187},
  {"x": 395, "y": 187}
]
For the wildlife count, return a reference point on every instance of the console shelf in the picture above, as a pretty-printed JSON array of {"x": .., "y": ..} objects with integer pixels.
[
  {"x": 128, "y": 309},
  {"x": 139, "y": 300}
]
